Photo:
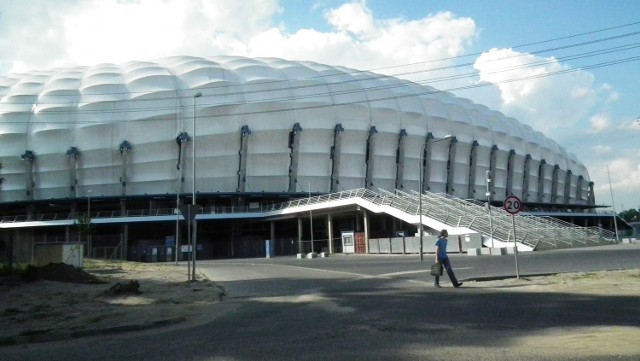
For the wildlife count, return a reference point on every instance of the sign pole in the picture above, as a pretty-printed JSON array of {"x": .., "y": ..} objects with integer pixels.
[
  {"x": 515, "y": 244},
  {"x": 513, "y": 205},
  {"x": 189, "y": 243},
  {"x": 190, "y": 211}
]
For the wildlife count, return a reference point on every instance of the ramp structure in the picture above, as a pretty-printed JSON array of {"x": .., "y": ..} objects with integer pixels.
[{"x": 459, "y": 216}]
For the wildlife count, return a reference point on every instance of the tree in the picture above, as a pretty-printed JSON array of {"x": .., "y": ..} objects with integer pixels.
[
  {"x": 630, "y": 215},
  {"x": 84, "y": 226}
]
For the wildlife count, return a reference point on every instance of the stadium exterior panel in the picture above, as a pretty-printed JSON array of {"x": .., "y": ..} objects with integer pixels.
[{"x": 261, "y": 126}]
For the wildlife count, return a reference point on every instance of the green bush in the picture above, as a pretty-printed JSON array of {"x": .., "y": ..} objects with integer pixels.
[
  {"x": 5, "y": 270},
  {"x": 27, "y": 274},
  {"x": 30, "y": 274}
]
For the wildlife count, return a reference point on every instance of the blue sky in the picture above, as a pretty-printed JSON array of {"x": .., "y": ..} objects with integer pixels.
[{"x": 590, "y": 111}]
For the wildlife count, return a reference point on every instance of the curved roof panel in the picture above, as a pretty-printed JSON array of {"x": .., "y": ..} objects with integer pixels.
[{"x": 150, "y": 102}]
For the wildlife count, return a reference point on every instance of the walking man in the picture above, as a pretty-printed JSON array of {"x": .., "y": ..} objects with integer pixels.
[{"x": 443, "y": 259}]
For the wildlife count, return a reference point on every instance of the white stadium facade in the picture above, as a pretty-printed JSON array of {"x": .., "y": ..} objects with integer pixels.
[{"x": 115, "y": 139}]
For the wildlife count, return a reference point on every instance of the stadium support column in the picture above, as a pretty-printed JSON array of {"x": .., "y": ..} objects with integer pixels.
[
  {"x": 29, "y": 157},
  {"x": 365, "y": 217},
  {"x": 579, "y": 188},
  {"x": 294, "y": 145},
  {"x": 300, "y": 250},
  {"x": 125, "y": 148},
  {"x": 567, "y": 188},
  {"x": 451, "y": 168},
  {"x": 125, "y": 242},
  {"x": 370, "y": 157},
  {"x": 525, "y": 178},
  {"x": 473, "y": 169},
  {"x": 400, "y": 159},
  {"x": 272, "y": 231},
  {"x": 425, "y": 154},
  {"x": 245, "y": 132},
  {"x": 336, "y": 151},
  {"x": 554, "y": 184},
  {"x": 591, "y": 198},
  {"x": 73, "y": 154},
  {"x": 541, "y": 176},
  {"x": 492, "y": 168},
  {"x": 181, "y": 140},
  {"x": 510, "y": 172}
]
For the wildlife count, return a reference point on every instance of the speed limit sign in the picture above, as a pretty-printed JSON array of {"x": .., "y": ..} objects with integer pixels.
[{"x": 512, "y": 204}]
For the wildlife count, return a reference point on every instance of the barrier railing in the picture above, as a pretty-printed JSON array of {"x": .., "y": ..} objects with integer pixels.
[{"x": 537, "y": 232}]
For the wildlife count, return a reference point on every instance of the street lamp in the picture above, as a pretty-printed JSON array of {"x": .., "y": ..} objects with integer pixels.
[
  {"x": 193, "y": 187},
  {"x": 310, "y": 218},
  {"x": 422, "y": 164},
  {"x": 193, "y": 181},
  {"x": 89, "y": 205},
  {"x": 488, "y": 194},
  {"x": 88, "y": 221}
]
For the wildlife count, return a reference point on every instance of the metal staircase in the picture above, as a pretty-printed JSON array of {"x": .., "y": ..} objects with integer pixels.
[
  {"x": 535, "y": 232},
  {"x": 438, "y": 210}
]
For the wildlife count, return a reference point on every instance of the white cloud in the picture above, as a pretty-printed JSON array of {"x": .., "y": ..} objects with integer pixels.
[
  {"x": 599, "y": 123},
  {"x": 625, "y": 182},
  {"x": 354, "y": 18},
  {"x": 537, "y": 98},
  {"x": 602, "y": 149},
  {"x": 358, "y": 40},
  {"x": 31, "y": 29},
  {"x": 609, "y": 93},
  {"x": 118, "y": 32},
  {"x": 93, "y": 31}
]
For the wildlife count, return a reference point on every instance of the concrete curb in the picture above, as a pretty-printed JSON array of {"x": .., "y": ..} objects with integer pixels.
[
  {"x": 500, "y": 278},
  {"x": 38, "y": 336}
]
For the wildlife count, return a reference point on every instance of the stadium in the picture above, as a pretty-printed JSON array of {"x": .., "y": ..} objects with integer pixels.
[{"x": 127, "y": 145}]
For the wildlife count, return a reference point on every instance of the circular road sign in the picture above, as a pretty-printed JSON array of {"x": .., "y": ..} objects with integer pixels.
[{"x": 512, "y": 204}]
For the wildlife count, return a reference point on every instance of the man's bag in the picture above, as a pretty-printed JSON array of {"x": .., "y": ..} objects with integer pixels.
[{"x": 436, "y": 269}]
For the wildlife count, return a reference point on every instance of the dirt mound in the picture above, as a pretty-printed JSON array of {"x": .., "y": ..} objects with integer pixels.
[
  {"x": 131, "y": 287},
  {"x": 62, "y": 272}
]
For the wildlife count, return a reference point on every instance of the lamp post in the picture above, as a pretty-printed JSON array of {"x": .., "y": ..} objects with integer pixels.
[
  {"x": 613, "y": 206},
  {"x": 88, "y": 221},
  {"x": 193, "y": 188},
  {"x": 310, "y": 219},
  {"x": 422, "y": 164},
  {"x": 488, "y": 194},
  {"x": 193, "y": 181},
  {"x": 89, "y": 205}
]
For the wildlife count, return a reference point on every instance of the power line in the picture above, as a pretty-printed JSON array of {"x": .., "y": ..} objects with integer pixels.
[
  {"x": 428, "y": 91},
  {"x": 373, "y": 75},
  {"x": 71, "y": 106}
]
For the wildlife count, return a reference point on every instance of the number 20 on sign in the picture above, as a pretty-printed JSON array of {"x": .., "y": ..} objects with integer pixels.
[{"x": 512, "y": 204}]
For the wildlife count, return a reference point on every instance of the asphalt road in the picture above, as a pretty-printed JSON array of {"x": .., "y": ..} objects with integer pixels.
[{"x": 376, "y": 307}]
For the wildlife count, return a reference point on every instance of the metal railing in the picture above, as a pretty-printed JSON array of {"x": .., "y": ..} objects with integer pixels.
[
  {"x": 534, "y": 231},
  {"x": 537, "y": 232}
]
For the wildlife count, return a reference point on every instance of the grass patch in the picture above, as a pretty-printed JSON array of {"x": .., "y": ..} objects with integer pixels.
[
  {"x": 584, "y": 276},
  {"x": 26, "y": 273},
  {"x": 12, "y": 311},
  {"x": 34, "y": 332}
]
